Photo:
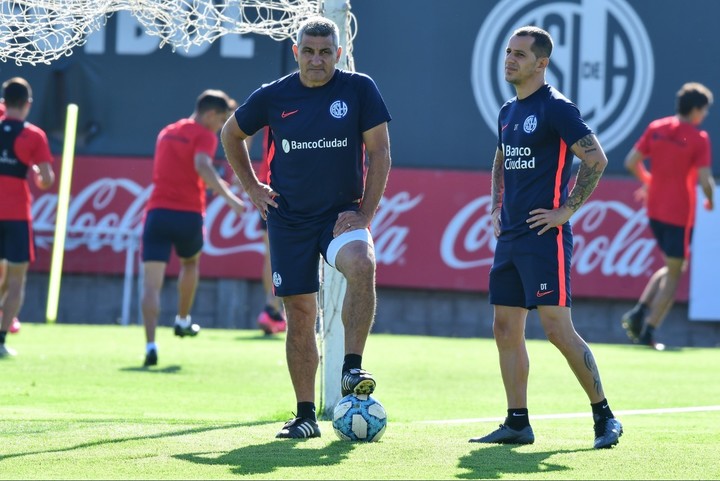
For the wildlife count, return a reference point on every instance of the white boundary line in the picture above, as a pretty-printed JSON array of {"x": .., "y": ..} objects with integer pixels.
[{"x": 631, "y": 412}]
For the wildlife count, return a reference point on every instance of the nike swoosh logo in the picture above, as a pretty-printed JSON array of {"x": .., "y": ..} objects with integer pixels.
[
  {"x": 540, "y": 294},
  {"x": 288, "y": 114},
  {"x": 518, "y": 415},
  {"x": 504, "y": 127}
]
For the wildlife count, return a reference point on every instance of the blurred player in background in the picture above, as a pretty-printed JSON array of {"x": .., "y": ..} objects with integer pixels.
[
  {"x": 23, "y": 147},
  {"x": 679, "y": 154},
  {"x": 272, "y": 318},
  {"x": 325, "y": 121},
  {"x": 538, "y": 132},
  {"x": 15, "y": 325},
  {"x": 182, "y": 170}
]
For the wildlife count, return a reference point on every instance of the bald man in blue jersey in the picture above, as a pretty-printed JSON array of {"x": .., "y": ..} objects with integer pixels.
[
  {"x": 326, "y": 122},
  {"x": 539, "y": 130}
]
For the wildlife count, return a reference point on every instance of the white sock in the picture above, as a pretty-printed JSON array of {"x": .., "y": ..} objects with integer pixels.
[
  {"x": 183, "y": 322},
  {"x": 150, "y": 346}
]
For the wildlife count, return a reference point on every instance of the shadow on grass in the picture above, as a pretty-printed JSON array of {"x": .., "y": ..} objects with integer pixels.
[
  {"x": 648, "y": 349},
  {"x": 267, "y": 458},
  {"x": 672, "y": 349},
  {"x": 261, "y": 337},
  {"x": 172, "y": 369},
  {"x": 100, "y": 442},
  {"x": 498, "y": 460}
]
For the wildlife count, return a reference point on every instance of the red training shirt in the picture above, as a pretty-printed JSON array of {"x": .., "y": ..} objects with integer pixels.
[
  {"x": 177, "y": 185},
  {"x": 676, "y": 151},
  {"x": 31, "y": 148}
]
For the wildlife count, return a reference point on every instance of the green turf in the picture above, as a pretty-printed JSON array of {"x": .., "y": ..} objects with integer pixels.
[{"x": 75, "y": 404}]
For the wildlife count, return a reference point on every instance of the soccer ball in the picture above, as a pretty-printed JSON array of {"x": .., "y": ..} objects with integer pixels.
[{"x": 359, "y": 417}]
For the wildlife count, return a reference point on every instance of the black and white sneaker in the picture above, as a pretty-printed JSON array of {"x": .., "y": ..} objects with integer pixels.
[
  {"x": 357, "y": 381},
  {"x": 506, "y": 435},
  {"x": 648, "y": 339},
  {"x": 299, "y": 428},
  {"x": 151, "y": 358},
  {"x": 607, "y": 433},
  {"x": 6, "y": 351},
  {"x": 190, "y": 330}
]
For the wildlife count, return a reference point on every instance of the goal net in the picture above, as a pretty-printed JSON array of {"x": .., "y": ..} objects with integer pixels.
[{"x": 42, "y": 31}]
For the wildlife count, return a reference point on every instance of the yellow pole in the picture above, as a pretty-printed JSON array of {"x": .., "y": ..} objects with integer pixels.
[{"x": 62, "y": 213}]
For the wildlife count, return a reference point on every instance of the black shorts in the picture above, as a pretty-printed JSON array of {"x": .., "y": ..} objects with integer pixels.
[
  {"x": 295, "y": 251},
  {"x": 533, "y": 270},
  {"x": 165, "y": 228},
  {"x": 673, "y": 240},
  {"x": 16, "y": 241}
]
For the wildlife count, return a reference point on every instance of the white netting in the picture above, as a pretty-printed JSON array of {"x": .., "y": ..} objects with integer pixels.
[{"x": 40, "y": 31}]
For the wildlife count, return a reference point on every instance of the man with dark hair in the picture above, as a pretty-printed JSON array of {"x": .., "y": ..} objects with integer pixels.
[
  {"x": 539, "y": 130},
  {"x": 23, "y": 147},
  {"x": 182, "y": 171},
  {"x": 679, "y": 154},
  {"x": 324, "y": 122}
]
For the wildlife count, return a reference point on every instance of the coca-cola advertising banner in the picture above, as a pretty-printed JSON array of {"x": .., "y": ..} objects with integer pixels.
[{"x": 432, "y": 231}]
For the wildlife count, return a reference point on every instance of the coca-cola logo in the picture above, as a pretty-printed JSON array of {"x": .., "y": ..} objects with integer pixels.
[
  {"x": 609, "y": 236},
  {"x": 228, "y": 233},
  {"x": 95, "y": 220},
  {"x": 390, "y": 239},
  {"x": 431, "y": 230},
  {"x": 469, "y": 239},
  {"x": 109, "y": 213},
  {"x": 628, "y": 252}
]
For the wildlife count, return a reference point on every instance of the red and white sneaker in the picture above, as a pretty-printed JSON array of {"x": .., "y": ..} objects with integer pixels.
[
  {"x": 15, "y": 326},
  {"x": 269, "y": 325}
]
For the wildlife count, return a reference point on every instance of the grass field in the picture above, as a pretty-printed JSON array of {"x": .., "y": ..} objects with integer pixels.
[{"x": 75, "y": 404}]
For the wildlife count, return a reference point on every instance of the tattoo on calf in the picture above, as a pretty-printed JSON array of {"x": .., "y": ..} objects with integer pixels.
[{"x": 592, "y": 367}]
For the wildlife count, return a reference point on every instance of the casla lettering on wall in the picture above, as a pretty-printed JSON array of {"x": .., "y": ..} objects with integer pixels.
[
  {"x": 130, "y": 39},
  {"x": 602, "y": 60}
]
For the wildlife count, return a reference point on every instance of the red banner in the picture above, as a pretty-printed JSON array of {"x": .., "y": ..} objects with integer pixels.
[{"x": 432, "y": 231}]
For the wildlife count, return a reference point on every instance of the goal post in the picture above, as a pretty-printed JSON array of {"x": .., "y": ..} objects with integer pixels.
[{"x": 331, "y": 331}]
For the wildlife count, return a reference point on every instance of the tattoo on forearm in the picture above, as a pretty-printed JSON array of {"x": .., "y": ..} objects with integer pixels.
[
  {"x": 587, "y": 179},
  {"x": 498, "y": 185},
  {"x": 592, "y": 367}
]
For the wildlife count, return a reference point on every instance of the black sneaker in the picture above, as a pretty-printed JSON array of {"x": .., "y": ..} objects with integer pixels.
[
  {"x": 357, "y": 381},
  {"x": 632, "y": 321},
  {"x": 299, "y": 428},
  {"x": 506, "y": 435},
  {"x": 607, "y": 433},
  {"x": 151, "y": 358},
  {"x": 191, "y": 330}
]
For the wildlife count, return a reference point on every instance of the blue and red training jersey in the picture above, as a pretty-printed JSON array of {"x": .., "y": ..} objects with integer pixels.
[
  {"x": 318, "y": 158},
  {"x": 535, "y": 135}
]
